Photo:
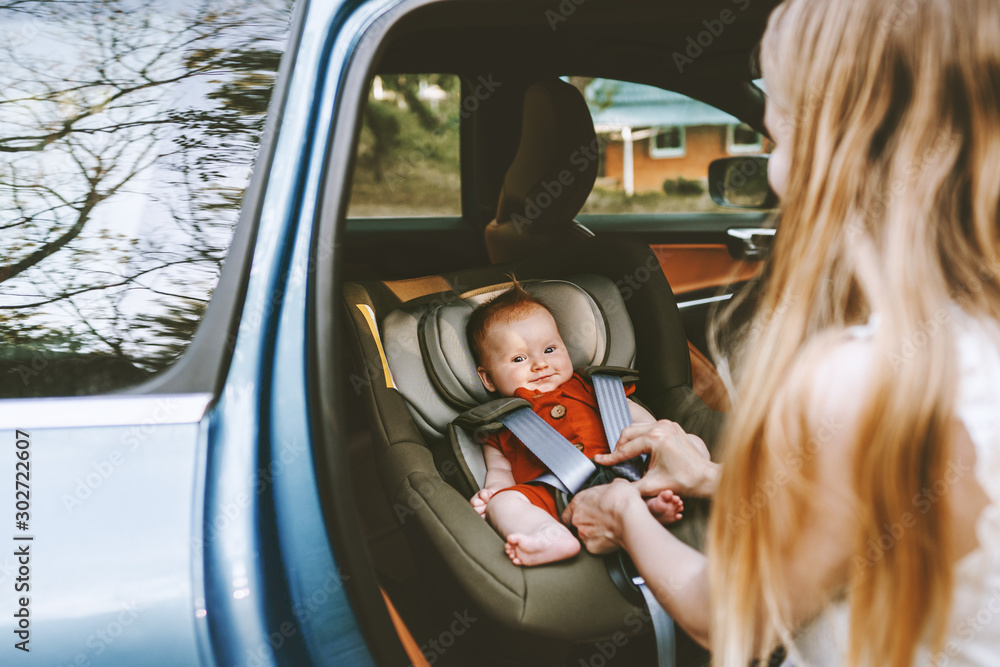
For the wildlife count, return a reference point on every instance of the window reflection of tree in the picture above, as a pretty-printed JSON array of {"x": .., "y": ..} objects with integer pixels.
[{"x": 127, "y": 132}]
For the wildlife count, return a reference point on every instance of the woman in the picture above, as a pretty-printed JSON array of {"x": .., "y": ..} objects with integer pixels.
[{"x": 857, "y": 516}]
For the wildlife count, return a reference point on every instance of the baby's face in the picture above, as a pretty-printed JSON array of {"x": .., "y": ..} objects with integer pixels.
[{"x": 527, "y": 353}]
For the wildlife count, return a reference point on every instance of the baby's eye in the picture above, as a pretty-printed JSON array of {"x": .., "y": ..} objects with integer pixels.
[
  {"x": 550, "y": 349},
  {"x": 518, "y": 359}
]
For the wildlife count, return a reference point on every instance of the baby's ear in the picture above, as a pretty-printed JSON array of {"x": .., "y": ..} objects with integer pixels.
[{"x": 484, "y": 375}]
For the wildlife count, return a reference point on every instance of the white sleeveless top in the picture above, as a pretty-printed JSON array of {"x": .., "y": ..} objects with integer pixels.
[{"x": 974, "y": 637}]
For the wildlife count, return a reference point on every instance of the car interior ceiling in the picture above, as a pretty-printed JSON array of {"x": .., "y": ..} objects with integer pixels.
[
  {"x": 516, "y": 43},
  {"x": 630, "y": 41}
]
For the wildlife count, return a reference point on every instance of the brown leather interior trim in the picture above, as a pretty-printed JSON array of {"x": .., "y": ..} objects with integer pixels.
[
  {"x": 413, "y": 651},
  {"x": 691, "y": 267},
  {"x": 414, "y": 287},
  {"x": 706, "y": 381}
]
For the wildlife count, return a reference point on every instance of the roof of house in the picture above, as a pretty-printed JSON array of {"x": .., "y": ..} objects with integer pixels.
[{"x": 620, "y": 103}]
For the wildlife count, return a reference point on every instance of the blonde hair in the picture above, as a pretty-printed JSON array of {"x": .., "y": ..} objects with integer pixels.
[{"x": 891, "y": 207}]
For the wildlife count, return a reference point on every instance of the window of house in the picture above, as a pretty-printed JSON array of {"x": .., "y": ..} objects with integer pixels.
[
  {"x": 743, "y": 139},
  {"x": 667, "y": 142},
  {"x": 128, "y": 132},
  {"x": 407, "y": 162}
]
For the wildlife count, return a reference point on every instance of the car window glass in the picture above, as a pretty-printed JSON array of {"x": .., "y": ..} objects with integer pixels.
[
  {"x": 128, "y": 130},
  {"x": 407, "y": 162},
  {"x": 656, "y": 148}
]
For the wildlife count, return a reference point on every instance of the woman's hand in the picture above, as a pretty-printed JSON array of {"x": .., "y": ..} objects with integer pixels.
[
  {"x": 678, "y": 461},
  {"x": 599, "y": 514}
]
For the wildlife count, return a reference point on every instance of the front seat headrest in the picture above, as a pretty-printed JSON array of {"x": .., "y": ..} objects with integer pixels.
[{"x": 552, "y": 174}]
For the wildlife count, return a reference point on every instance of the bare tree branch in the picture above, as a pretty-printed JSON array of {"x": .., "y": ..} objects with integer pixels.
[
  {"x": 125, "y": 149},
  {"x": 104, "y": 286}
]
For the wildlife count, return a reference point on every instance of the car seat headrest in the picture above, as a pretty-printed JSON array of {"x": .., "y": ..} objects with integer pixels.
[
  {"x": 434, "y": 369},
  {"x": 552, "y": 173}
]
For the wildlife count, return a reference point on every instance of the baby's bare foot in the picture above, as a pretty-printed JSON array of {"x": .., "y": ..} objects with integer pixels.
[
  {"x": 666, "y": 507},
  {"x": 548, "y": 545}
]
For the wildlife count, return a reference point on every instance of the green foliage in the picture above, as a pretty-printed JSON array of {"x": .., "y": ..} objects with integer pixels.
[
  {"x": 117, "y": 237},
  {"x": 408, "y": 152},
  {"x": 683, "y": 187},
  {"x": 177, "y": 327},
  {"x": 613, "y": 200}
]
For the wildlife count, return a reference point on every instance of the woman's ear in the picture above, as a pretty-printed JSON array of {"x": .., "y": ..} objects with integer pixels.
[{"x": 484, "y": 375}]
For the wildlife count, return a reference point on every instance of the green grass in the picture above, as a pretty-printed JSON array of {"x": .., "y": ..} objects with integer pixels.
[
  {"x": 605, "y": 200},
  {"x": 421, "y": 190},
  {"x": 427, "y": 189}
]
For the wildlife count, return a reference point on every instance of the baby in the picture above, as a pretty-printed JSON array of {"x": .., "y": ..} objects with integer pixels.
[{"x": 520, "y": 353}]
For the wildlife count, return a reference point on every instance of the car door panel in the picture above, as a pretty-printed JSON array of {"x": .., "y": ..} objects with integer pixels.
[
  {"x": 112, "y": 573},
  {"x": 691, "y": 267}
]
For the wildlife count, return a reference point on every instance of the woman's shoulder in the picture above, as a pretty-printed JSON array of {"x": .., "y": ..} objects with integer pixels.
[
  {"x": 978, "y": 344},
  {"x": 978, "y": 341},
  {"x": 843, "y": 361},
  {"x": 841, "y": 366}
]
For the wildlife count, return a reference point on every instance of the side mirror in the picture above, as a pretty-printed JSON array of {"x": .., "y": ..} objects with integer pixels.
[{"x": 741, "y": 182}]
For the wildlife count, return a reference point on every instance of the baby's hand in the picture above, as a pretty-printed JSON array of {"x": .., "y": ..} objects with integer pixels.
[{"x": 480, "y": 500}]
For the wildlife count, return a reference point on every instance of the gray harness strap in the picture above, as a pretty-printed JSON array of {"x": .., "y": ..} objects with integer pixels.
[
  {"x": 613, "y": 406},
  {"x": 663, "y": 626},
  {"x": 551, "y": 480},
  {"x": 564, "y": 460},
  {"x": 615, "y": 415}
]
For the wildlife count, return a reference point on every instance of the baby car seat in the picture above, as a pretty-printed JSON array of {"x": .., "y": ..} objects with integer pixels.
[{"x": 409, "y": 341}]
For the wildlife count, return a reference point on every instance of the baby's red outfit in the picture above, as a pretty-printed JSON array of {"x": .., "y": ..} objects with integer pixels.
[{"x": 571, "y": 408}]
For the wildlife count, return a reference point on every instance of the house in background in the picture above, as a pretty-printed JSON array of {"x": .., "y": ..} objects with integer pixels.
[{"x": 652, "y": 135}]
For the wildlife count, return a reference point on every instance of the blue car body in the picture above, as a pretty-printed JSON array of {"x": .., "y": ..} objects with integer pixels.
[{"x": 175, "y": 528}]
